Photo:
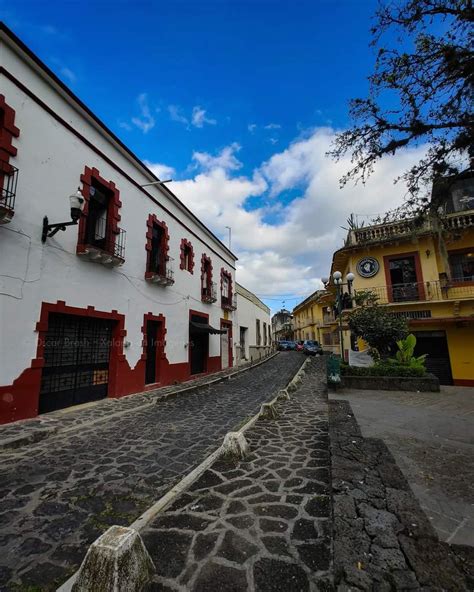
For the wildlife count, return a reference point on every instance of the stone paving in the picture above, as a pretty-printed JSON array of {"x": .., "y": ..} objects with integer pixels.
[
  {"x": 431, "y": 437},
  {"x": 260, "y": 524},
  {"x": 60, "y": 494},
  {"x": 382, "y": 539}
]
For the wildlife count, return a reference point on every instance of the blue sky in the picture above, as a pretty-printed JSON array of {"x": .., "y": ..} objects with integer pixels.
[{"x": 238, "y": 102}]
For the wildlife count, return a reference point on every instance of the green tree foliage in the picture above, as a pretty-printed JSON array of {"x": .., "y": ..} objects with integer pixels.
[
  {"x": 420, "y": 93},
  {"x": 377, "y": 327}
]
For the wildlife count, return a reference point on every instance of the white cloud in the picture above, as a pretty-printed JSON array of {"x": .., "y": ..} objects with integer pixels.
[
  {"x": 176, "y": 115},
  {"x": 252, "y": 127},
  {"x": 225, "y": 159},
  {"x": 146, "y": 121},
  {"x": 199, "y": 118},
  {"x": 272, "y": 126},
  {"x": 284, "y": 248},
  {"x": 162, "y": 171}
]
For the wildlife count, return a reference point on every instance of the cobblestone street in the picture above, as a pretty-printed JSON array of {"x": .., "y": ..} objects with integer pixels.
[
  {"x": 262, "y": 524},
  {"x": 59, "y": 494}
]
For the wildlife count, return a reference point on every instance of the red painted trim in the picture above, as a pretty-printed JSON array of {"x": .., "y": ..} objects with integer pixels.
[
  {"x": 418, "y": 272},
  {"x": 225, "y": 324},
  {"x": 8, "y": 131},
  {"x": 161, "y": 356},
  {"x": 113, "y": 217},
  {"x": 463, "y": 382},
  {"x": 20, "y": 400},
  {"x": 63, "y": 122},
  {"x": 205, "y": 259},
  {"x": 436, "y": 320},
  {"x": 208, "y": 370},
  {"x": 186, "y": 245},
  {"x": 228, "y": 275},
  {"x": 153, "y": 221}
]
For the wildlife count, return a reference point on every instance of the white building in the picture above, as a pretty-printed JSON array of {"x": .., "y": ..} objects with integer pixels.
[
  {"x": 254, "y": 333},
  {"x": 87, "y": 314}
]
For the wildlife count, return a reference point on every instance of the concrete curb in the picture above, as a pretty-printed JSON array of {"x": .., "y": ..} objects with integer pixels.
[
  {"x": 39, "y": 434},
  {"x": 160, "y": 505}
]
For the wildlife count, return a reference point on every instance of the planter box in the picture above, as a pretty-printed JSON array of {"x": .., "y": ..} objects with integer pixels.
[{"x": 427, "y": 383}]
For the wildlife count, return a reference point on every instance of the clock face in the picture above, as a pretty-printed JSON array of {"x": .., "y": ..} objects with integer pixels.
[{"x": 367, "y": 267}]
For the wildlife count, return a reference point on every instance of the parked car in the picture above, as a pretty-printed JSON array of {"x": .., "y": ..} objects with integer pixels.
[
  {"x": 292, "y": 345},
  {"x": 283, "y": 345},
  {"x": 299, "y": 345},
  {"x": 312, "y": 348}
]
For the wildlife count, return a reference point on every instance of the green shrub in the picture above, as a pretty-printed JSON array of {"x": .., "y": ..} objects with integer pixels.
[{"x": 383, "y": 369}]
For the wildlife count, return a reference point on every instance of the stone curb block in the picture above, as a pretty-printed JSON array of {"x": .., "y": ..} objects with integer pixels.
[
  {"x": 284, "y": 394},
  {"x": 268, "y": 411},
  {"x": 235, "y": 445},
  {"x": 117, "y": 561}
]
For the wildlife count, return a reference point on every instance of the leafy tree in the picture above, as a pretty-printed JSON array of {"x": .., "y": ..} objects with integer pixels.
[
  {"x": 378, "y": 327},
  {"x": 420, "y": 92}
]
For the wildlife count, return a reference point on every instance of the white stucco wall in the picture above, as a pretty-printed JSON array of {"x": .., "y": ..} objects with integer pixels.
[
  {"x": 51, "y": 160},
  {"x": 246, "y": 316}
]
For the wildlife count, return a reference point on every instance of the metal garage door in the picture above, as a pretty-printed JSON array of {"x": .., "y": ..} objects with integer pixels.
[
  {"x": 76, "y": 354},
  {"x": 435, "y": 344}
]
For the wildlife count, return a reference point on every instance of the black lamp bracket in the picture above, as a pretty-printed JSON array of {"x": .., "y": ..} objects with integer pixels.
[{"x": 51, "y": 229}]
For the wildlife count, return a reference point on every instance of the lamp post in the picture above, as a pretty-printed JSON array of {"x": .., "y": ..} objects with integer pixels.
[{"x": 338, "y": 282}]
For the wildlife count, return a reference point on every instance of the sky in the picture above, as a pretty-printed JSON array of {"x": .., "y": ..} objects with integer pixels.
[{"x": 236, "y": 101}]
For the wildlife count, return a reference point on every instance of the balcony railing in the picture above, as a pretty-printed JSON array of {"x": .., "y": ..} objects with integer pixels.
[
  {"x": 383, "y": 232},
  {"x": 8, "y": 184},
  {"x": 209, "y": 293},
  {"x": 229, "y": 303},
  {"x": 164, "y": 276},
  {"x": 423, "y": 291},
  {"x": 104, "y": 246}
]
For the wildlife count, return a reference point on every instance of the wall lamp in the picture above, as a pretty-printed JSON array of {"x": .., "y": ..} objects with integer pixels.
[
  {"x": 157, "y": 183},
  {"x": 76, "y": 201}
]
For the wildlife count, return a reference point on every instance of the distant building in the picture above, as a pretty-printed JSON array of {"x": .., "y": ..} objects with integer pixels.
[
  {"x": 282, "y": 325},
  {"x": 314, "y": 319},
  {"x": 253, "y": 327}
]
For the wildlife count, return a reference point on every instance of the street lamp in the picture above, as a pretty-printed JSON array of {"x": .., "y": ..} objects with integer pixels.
[
  {"x": 76, "y": 202},
  {"x": 339, "y": 283}
]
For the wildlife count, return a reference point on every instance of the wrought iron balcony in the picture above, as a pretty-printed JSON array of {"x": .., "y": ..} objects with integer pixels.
[
  {"x": 229, "y": 303},
  {"x": 423, "y": 291},
  {"x": 104, "y": 246},
  {"x": 8, "y": 184},
  {"x": 209, "y": 293}
]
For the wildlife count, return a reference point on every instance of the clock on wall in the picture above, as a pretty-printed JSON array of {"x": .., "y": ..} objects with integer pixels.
[{"x": 368, "y": 267}]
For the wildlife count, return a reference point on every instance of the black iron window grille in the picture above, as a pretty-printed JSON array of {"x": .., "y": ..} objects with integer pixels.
[{"x": 8, "y": 185}]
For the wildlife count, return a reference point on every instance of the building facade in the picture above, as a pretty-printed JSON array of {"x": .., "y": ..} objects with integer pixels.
[
  {"x": 282, "y": 325},
  {"x": 137, "y": 294},
  {"x": 254, "y": 333},
  {"x": 314, "y": 319},
  {"x": 425, "y": 273}
]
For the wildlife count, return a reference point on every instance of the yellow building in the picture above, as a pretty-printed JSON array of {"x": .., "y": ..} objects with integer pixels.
[
  {"x": 314, "y": 319},
  {"x": 424, "y": 272}
]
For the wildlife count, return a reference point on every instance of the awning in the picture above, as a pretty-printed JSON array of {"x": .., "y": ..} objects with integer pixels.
[{"x": 204, "y": 328}]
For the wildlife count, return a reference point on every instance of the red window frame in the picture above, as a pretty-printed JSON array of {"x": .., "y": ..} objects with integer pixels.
[
  {"x": 206, "y": 260},
  {"x": 226, "y": 300},
  {"x": 459, "y": 283},
  {"x": 419, "y": 274},
  {"x": 186, "y": 246},
  {"x": 89, "y": 175},
  {"x": 8, "y": 131},
  {"x": 153, "y": 221}
]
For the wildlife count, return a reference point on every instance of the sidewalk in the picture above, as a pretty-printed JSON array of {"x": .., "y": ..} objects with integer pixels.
[{"x": 260, "y": 524}]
